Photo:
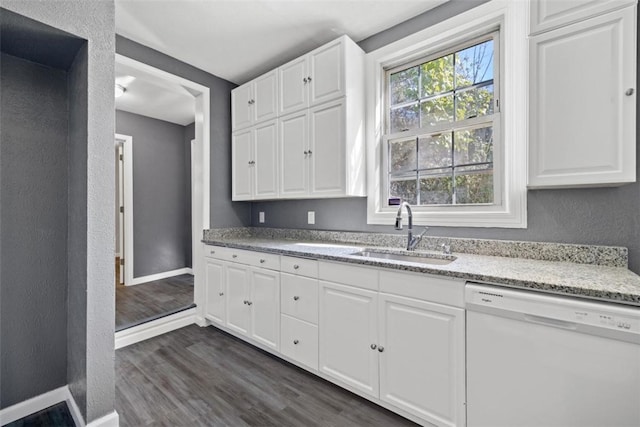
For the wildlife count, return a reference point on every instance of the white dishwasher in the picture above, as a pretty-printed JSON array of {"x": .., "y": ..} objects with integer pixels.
[{"x": 540, "y": 360}]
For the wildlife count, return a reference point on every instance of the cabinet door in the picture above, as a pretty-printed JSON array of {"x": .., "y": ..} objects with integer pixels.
[
  {"x": 241, "y": 110},
  {"x": 264, "y": 302},
  {"x": 326, "y": 73},
  {"x": 266, "y": 161},
  {"x": 299, "y": 341},
  {"x": 548, "y": 14},
  {"x": 348, "y": 336},
  {"x": 265, "y": 97},
  {"x": 293, "y": 155},
  {"x": 582, "y": 127},
  {"x": 215, "y": 288},
  {"x": 422, "y": 364},
  {"x": 293, "y": 86},
  {"x": 327, "y": 150},
  {"x": 242, "y": 156},
  {"x": 237, "y": 284}
]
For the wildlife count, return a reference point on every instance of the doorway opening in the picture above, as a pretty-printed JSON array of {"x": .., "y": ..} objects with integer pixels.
[{"x": 148, "y": 278}]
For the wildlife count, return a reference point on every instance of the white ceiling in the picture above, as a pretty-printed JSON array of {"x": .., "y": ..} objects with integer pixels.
[{"x": 241, "y": 39}]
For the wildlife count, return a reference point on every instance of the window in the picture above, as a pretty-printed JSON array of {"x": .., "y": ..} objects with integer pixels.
[
  {"x": 440, "y": 119},
  {"x": 447, "y": 121}
]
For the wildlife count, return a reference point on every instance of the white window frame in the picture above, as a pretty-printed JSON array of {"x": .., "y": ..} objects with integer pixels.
[{"x": 510, "y": 166}]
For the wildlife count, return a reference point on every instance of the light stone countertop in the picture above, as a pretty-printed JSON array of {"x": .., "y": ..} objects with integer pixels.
[{"x": 601, "y": 282}]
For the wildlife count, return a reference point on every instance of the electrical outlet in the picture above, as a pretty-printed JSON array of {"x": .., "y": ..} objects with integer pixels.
[
  {"x": 311, "y": 217},
  {"x": 261, "y": 217}
]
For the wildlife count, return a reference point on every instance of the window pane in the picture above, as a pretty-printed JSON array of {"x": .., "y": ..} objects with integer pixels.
[
  {"x": 404, "y": 188},
  {"x": 437, "y": 76},
  {"x": 473, "y": 146},
  {"x": 474, "y": 184},
  {"x": 404, "y": 118},
  {"x": 402, "y": 155},
  {"x": 436, "y": 189},
  {"x": 404, "y": 85},
  {"x": 434, "y": 151},
  {"x": 437, "y": 110},
  {"x": 474, "y": 64},
  {"x": 474, "y": 102}
]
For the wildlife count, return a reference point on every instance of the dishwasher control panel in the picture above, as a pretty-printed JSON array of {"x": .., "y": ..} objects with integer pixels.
[{"x": 561, "y": 311}]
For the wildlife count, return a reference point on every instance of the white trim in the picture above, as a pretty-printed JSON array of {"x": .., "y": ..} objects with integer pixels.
[
  {"x": 40, "y": 402},
  {"x": 159, "y": 276},
  {"x": 127, "y": 230},
  {"x": 512, "y": 18},
  {"x": 110, "y": 420},
  {"x": 154, "y": 328}
]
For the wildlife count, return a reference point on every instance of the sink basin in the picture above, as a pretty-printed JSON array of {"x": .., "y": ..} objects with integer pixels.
[{"x": 418, "y": 257}]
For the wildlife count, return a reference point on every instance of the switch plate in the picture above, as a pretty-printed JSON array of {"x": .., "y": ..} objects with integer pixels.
[
  {"x": 311, "y": 217},
  {"x": 261, "y": 217}
]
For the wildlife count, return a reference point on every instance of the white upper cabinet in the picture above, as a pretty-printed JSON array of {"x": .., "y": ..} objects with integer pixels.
[
  {"x": 549, "y": 14},
  {"x": 583, "y": 102},
  {"x": 319, "y": 76},
  {"x": 254, "y": 154},
  {"x": 255, "y": 101}
]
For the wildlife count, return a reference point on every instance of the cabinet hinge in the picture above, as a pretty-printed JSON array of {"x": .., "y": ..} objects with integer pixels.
[
  {"x": 121, "y": 209},
  {"x": 121, "y": 157},
  {"x": 121, "y": 261}
]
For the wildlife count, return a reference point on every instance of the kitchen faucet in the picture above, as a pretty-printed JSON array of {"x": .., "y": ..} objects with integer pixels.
[{"x": 412, "y": 242}]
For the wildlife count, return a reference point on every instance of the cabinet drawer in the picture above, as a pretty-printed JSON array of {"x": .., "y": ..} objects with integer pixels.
[
  {"x": 423, "y": 287},
  {"x": 262, "y": 260},
  {"x": 299, "y": 341},
  {"x": 217, "y": 252},
  {"x": 349, "y": 274},
  {"x": 299, "y": 297},
  {"x": 299, "y": 266}
]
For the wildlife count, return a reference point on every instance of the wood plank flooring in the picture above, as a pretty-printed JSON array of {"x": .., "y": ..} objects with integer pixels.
[
  {"x": 204, "y": 377},
  {"x": 138, "y": 303}
]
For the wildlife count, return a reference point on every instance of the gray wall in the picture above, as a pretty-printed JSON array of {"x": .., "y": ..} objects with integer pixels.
[
  {"x": 605, "y": 216},
  {"x": 159, "y": 197},
  {"x": 33, "y": 267},
  {"x": 224, "y": 212},
  {"x": 90, "y": 307}
]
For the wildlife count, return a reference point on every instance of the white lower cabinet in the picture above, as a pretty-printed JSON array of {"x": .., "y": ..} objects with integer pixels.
[
  {"x": 348, "y": 336},
  {"x": 397, "y": 338},
  {"x": 422, "y": 358}
]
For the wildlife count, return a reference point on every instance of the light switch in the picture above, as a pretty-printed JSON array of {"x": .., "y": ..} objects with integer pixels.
[
  {"x": 311, "y": 217},
  {"x": 261, "y": 217}
]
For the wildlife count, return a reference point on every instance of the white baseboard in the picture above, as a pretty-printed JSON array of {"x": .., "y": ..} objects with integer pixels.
[
  {"x": 110, "y": 420},
  {"x": 43, "y": 401},
  {"x": 154, "y": 328},
  {"x": 159, "y": 276}
]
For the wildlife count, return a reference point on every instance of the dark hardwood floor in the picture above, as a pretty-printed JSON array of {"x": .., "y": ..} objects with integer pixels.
[
  {"x": 139, "y": 303},
  {"x": 204, "y": 377}
]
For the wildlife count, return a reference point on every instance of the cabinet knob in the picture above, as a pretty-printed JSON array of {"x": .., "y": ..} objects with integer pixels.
[
  {"x": 296, "y": 341},
  {"x": 309, "y": 152},
  {"x": 308, "y": 79},
  {"x": 381, "y": 349},
  {"x": 213, "y": 252},
  {"x": 296, "y": 266},
  {"x": 234, "y": 256},
  {"x": 373, "y": 346},
  {"x": 262, "y": 261},
  {"x": 306, "y": 152},
  {"x": 249, "y": 303},
  {"x": 305, "y": 80},
  {"x": 245, "y": 302},
  {"x": 221, "y": 293},
  {"x": 296, "y": 298},
  {"x": 629, "y": 91}
]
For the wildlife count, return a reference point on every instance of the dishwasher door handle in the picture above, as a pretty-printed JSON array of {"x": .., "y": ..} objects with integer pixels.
[{"x": 547, "y": 321}]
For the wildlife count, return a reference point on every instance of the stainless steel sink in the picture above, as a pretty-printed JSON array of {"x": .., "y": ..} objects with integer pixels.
[{"x": 417, "y": 257}]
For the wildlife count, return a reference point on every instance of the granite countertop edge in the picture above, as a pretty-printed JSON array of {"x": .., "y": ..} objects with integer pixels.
[{"x": 605, "y": 283}]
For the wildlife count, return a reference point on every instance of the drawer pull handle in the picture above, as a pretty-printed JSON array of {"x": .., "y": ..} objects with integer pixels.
[
  {"x": 213, "y": 252},
  {"x": 221, "y": 293},
  {"x": 296, "y": 266},
  {"x": 262, "y": 261},
  {"x": 373, "y": 346},
  {"x": 381, "y": 349},
  {"x": 296, "y": 298},
  {"x": 234, "y": 256},
  {"x": 296, "y": 342}
]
